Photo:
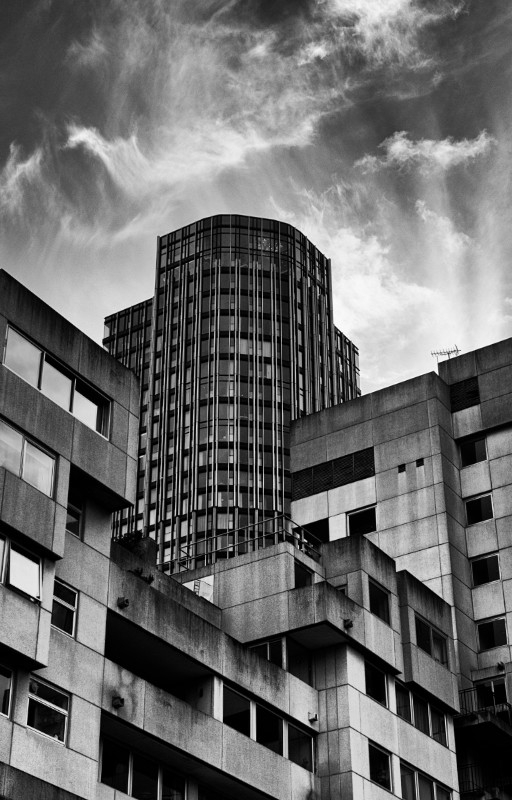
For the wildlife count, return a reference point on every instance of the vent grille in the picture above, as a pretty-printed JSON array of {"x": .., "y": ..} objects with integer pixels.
[
  {"x": 464, "y": 394},
  {"x": 347, "y": 469}
]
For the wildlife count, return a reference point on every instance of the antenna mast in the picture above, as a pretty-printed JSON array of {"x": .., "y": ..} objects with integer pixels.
[{"x": 449, "y": 352}]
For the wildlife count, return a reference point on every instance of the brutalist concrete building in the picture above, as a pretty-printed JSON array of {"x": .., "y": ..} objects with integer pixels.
[{"x": 360, "y": 651}]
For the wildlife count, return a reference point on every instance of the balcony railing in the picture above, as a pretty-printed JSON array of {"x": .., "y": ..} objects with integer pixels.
[
  {"x": 476, "y": 779},
  {"x": 472, "y": 703},
  {"x": 249, "y": 539}
]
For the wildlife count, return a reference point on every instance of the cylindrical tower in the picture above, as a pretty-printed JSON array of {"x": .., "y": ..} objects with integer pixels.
[{"x": 239, "y": 343}]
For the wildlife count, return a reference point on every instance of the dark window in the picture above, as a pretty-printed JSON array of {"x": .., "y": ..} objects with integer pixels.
[
  {"x": 298, "y": 661},
  {"x": 269, "y": 730},
  {"x": 272, "y": 651},
  {"x": 64, "y": 607},
  {"x": 330, "y": 474},
  {"x": 300, "y": 747},
  {"x": 492, "y": 633},
  {"x": 302, "y": 576},
  {"x": 420, "y": 462},
  {"x": 408, "y": 782},
  {"x": 114, "y": 765},
  {"x": 361, "y": 522},
  {"x": 237, "y": 711},
  {"x": 401, "y": 467},
  {"x": 485, "y": 570},
  {"x": 403, "y": 702},
  {"x": 438, "y": 723},
  {"x": 173, "y": 786},
  {"x": 379, "y": 601},
  {"x": 47, "y": 710},
  {"x": 479, "y": 509},
  {"x": 144, "y": 778},
  {"x": 5, "y": 690},
  {"x": 491, "y": 693},
  {"x": 417, "y": 786},
  {"x": 375, "y": 683},
  {"x": 421, "y": 720},
  {"x": 431, "y": 641},
  {"x": 380, "y": 771},
  {"x": 472, "y": 451}
]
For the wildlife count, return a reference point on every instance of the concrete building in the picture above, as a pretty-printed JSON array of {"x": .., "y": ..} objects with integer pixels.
[{"x": 237, "y": 341}]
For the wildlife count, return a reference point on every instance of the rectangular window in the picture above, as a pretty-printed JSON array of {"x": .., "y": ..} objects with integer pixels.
[
  {"x": 144, "y": 778},
  {"x": 115, "y": 765},
  {"x": 485, "y": 570},
  {"x": 403, "y": 702},
  {"x": 492, "y": 633},
  {"x": 271, "y": 650},
  {"x": 300, "y": 747},
  {"x": 379, "y": 601},
  {"x": 380, "y": 766},
  {"x": 5, "y": 690},
  {"x": 48, "y": 710},
  {"x": 479, "y": 509},
  {"x": 375, "y": 680},
  {"x": 20, "y": 569},
  {"x": 237, "y": 711},
  {"x": 431, "y": 641},
  {"x": 302, "y": 576},
  {"x": 23, "y": 458},
  {"x": 269, "y": 730},
  {"x": 418, "y": 786},
  {"x": 423, "y": 715},
  {"x": 472, "y": 451},
  {"x": 64, "y": 607},
  {"x": 56, "y": 382},
  {"x": 361, "y": 522}
]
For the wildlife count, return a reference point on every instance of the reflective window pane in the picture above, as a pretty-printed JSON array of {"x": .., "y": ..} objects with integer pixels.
[
  {"x": 56, "y": 385},
  {"x": 24, "y": 572},
  {"x": 85, "y": 410},
  {"x": 38, "y": 468},
  {"x": 22, "y": 357},
  {"x": 11, "y": 446}
]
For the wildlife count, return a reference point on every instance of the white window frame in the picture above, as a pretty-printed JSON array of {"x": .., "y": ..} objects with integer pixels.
[
  {"x": 68, "y": 606},
  {"x": 25, "y": 440},
  {"x": 5, "y": 567},
  {"x": 64, "y": 712}
]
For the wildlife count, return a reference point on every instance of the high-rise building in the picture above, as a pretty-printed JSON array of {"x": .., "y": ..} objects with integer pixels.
[{"x": 237, "y": 342}]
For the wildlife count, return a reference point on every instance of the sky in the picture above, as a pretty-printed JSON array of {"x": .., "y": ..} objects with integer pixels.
[{"x": 380, "y": 128}]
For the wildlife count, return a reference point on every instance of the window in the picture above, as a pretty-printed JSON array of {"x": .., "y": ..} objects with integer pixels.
[
  {"x": 491, "y": 693},
  {"x": 375, "y": 680},
  {"x": 268, "y": 728},
  {"x": 48, "y": 710},
  {"x": 302, "y": 576},
  {"x": 138, "y": 776},
  {"x": 380, "y": 767},
  {"x": 5, "y": 690},
  {"x": 271, "y": 650},
  {"x": 479, "y": 509},
  {"x": 421, "y": 713},
  {"x": 361, "y": 522},
  {"x": 379, "y": 601},
  {"x": 485, "y": 570},
  {"x": 19, "y": 569},
  {"x": 492, "y": 633},
  {"x": 431, "y": 641},
  {"x": 23, "y": 458},
  {"x": 64, "y": 607},
  {"x": 42, "y": 371},
  {"x": 401, "y": 468},
  {"x": 472, "y": 451},
  {"x": 417, "y": 786},
  {"x": 420, "y": 462}
]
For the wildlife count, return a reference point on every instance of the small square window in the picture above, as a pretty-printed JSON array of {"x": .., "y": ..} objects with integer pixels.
[
  {"x": 380, "y": 766},
  {"x": 379, "y": 601},
  {"x": 485, "y": 570},
  {"x": 420, "y": 462},
  {"x": 302, "y": 576},
  {"x": 492, "y": 633},
  {"x": 479, "y": 509},
  {"x": 472, "y": 451},
  {"x": 361, "y": 522},
  {"x": 48, "y": 710},
  {"x": 401, "y": 468}
]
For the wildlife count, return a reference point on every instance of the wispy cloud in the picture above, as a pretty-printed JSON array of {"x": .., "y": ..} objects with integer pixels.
[{"x": 426, "y": 154}]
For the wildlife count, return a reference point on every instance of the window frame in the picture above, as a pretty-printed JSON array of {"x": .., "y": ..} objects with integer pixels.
[
  {"x": 411, "y": 719},
  {"x": 373, "y": 745},
  {"x": 10, "y": 677},
  {"x": 417, "y": 773},
  {"x": 77, "y": 385},
  {"x": 464, "y": 463},
  {"x": 385, "y": 593},
  {"x": 28, "y": 441},
  {"x": 481, "y": 558},
  {"x": 358, "y": 512},
  {"x": 489, "y": 621},
  {"x": 469, "y": 500},
  {"x": 433, "y": 633},
  {"x": 133, "y": 753},
  {"x": 67, "y": 606},
  {"x": 368, "y": 667},
  {"x": 32, "y": 697},
  {"x": 5, "y": 568}
]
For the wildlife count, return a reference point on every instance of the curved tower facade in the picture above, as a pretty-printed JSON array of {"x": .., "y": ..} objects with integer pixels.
[{"x": 237, "y": 341}]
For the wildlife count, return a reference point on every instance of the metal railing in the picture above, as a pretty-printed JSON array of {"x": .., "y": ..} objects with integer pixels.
[
  {"x": 475, "y": 779},
  {"x": 248, "y": 539},
  {"x": 472, "y": 701}
]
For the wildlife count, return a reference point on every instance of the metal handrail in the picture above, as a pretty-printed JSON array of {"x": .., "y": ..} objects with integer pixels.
[{"x": 470, "y": 703}]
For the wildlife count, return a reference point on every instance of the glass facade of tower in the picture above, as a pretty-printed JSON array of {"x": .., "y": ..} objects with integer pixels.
[{"x": 237, "y": 342}]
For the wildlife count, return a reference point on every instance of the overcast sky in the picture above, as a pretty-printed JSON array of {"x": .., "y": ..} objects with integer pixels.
[{"x": 380, "y": 128}]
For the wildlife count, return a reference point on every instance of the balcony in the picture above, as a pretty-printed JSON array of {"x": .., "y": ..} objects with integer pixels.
[
  {"x": 479, "y": 781},
  {"x": 479, "y": 710},
  {"x": 249, "y": 539}
]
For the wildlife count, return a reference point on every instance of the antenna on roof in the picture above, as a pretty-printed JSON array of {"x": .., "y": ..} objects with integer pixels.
[{"x": 448, "y": 353}]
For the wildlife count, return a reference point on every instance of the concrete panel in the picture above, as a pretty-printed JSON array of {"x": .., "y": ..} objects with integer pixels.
[
  {"x": 307, "y": 454},
  {"x": 424, "y": 565},
  {"x": 399, "y": 423},
  {"x": 475, "y": 479},
  {"x": 252, "y": 581},
  {"x": 119, "y": 419},
  {"x": 425, "y": 753},
  {"x": 91, "y": 621},
  {"x": 349, "y": 440},
  {"x": 122, "y": 683},
  {"x": 392, "y": 483},
  {"x": 6, "y": 727},
  {"x": 497, "y": 381},
  {"x": 337, "y": 527},
  {"x": 506, "y": 563},
  {"x": 501, "y": 471},
  {"x": 499, "y": 443},
  {"x": 378, "y": 723},
  {"x": 20, "y": 623},
  {"x": 403, "y": 395},
  {"x": 84, "y": 728},
  {"x": 481, "y": 538},
  {"x": 467, "y": 422},
  {"x": 352, "y": 496},
  {"x": 411, "y": 537},
  {"x": 28, "y": 510},
  {"x": 402, "y": 450},
  {"x": 458, "y": 369},
  {"x": 257, "y": 620},
  {"x": 497, "y": 411},
  {"x": 310, "y": 509},
  {"x": 488, "y": 600},
  {"x": 332, "y": 419},
  {"x": 95, "y": 456},
  {"x": 502, "y": 502},
  {"x": 85, "y": 569},
  {"x": 74, "y": 668},
  {"x": 406, "y": 508},
  {"x": 503, "y": 528}
]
